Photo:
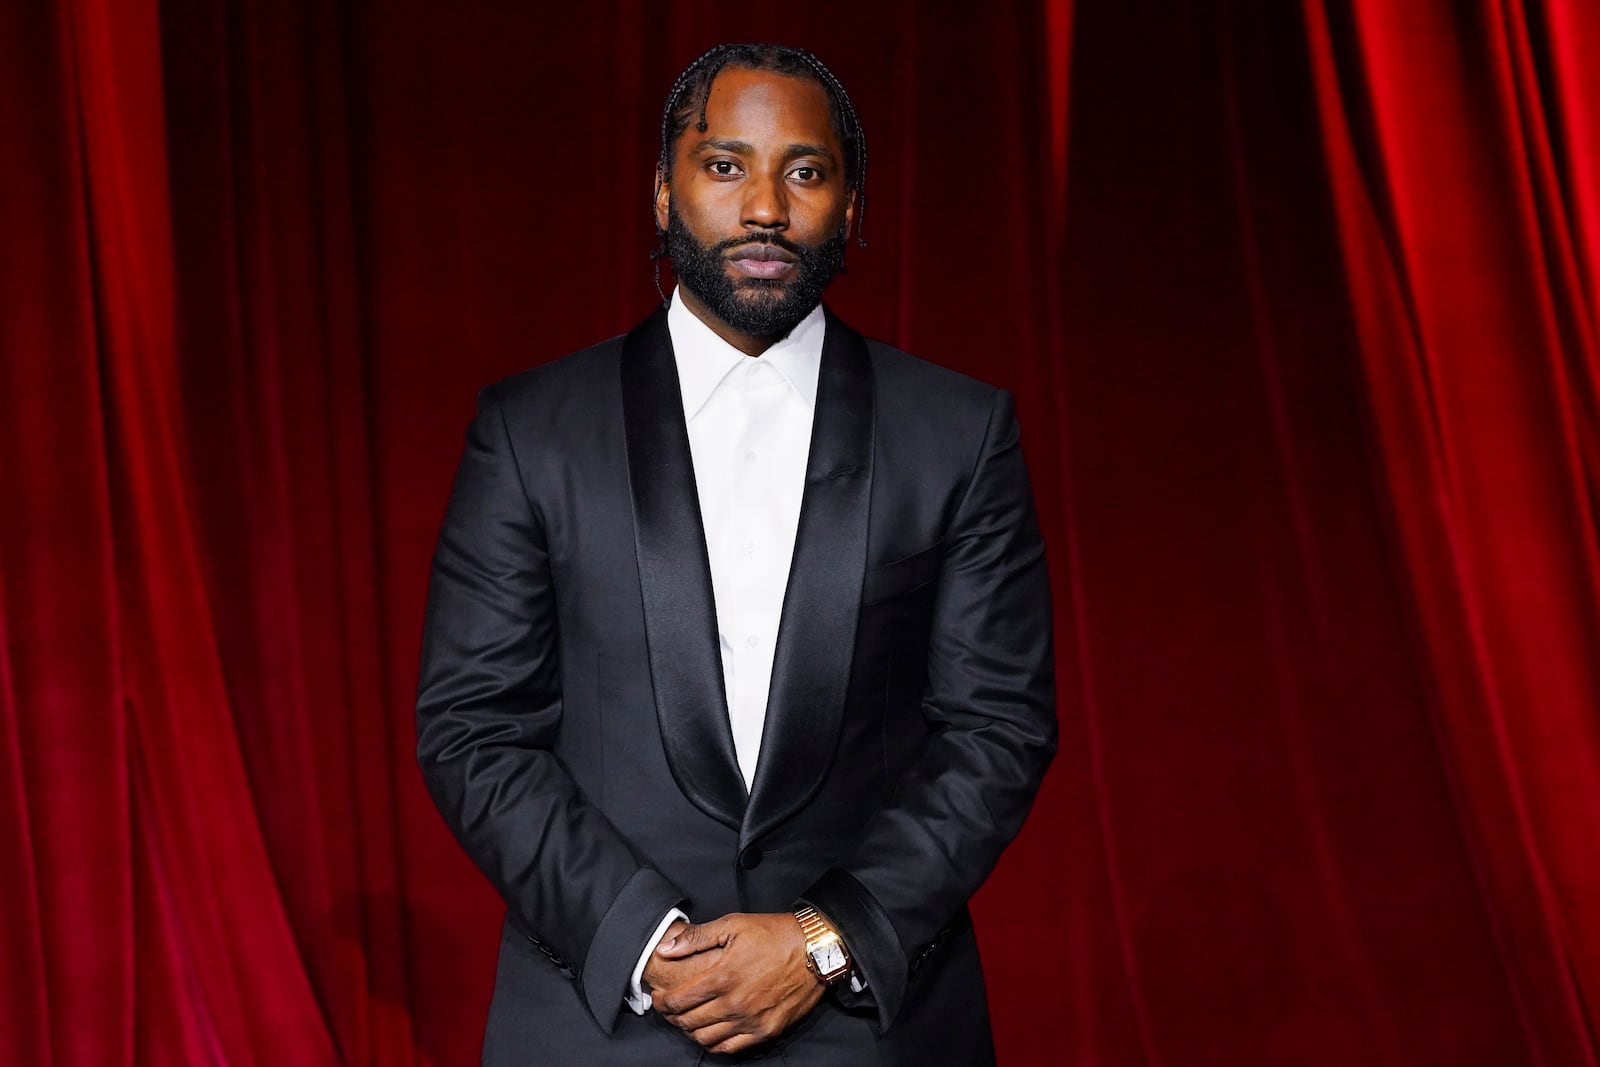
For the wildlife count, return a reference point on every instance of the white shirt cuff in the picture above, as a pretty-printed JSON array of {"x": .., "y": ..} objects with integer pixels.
[{"x": 636, "y": 998}]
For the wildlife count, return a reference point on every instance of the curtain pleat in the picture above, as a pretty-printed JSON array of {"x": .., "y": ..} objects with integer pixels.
[
  {"x": 1299, "y": 305},
  {"x": 1478, "y": 354}
]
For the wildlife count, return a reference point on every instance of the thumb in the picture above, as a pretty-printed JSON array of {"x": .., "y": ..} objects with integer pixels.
[{"x": 697, "y": 937}]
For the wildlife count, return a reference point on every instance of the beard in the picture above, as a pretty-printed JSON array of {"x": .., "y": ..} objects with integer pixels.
[{"x": 760, "y": 307}]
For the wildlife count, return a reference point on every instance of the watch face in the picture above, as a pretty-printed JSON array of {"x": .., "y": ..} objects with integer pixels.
[{"x": 830, "y": 959}]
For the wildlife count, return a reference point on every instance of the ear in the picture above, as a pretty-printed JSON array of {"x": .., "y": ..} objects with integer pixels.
[{"x": 663, "y": 199}]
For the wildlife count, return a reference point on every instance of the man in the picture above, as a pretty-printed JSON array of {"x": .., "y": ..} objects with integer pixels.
[{"x": 743, "y": 617}]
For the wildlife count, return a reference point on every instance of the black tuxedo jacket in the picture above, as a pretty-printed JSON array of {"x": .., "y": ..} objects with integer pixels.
[{"x": 574, "y": 732}]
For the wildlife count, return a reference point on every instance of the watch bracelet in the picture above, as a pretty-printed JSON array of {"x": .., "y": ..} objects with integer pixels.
[{"x": 815, "y": 927}]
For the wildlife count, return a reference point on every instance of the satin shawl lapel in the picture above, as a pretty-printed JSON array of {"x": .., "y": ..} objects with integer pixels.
[
  {"x": 817, "y": 637},
  {"x": 680, "y": 616}
]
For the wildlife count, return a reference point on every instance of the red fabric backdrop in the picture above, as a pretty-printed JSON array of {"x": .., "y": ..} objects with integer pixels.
[{"x": 1299, "y": 302}]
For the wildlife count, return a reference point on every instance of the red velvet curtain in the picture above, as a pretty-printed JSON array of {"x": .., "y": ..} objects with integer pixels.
[
  {"x": 1463, "y": 153},
  {"x": 1299, "y": 304}
]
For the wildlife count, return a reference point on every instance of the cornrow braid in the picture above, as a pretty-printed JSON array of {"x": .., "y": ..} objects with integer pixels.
[{"x": 691, "y": 92}]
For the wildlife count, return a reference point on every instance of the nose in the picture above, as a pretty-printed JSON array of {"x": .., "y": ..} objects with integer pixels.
[{"x": 766, "y": 203}]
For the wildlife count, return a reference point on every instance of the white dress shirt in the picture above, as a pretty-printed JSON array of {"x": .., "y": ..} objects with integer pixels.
[{"x": 749, "y": 421}]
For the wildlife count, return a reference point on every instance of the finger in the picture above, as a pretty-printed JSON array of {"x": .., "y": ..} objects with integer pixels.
[
  {"x": 720, "y": 1034},
  {"x": 665, "y": 972},
  {"x": 689, "y": 997},
  {"x": 736, "y": 1043},
  {"x": 710, "y": 1013},
  {"x": 694, "y": 938}
]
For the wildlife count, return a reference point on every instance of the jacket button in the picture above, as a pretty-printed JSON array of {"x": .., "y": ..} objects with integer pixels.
[{"x": 750, "y": 858}]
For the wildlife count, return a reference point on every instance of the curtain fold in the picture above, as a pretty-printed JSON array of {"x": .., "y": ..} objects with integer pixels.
[
  {"x": 1467, "y": 241},
  {"x": 1299, "y": 304},
  {"x": 65, "y": 783},
  {"x": 208, "y": 879}
]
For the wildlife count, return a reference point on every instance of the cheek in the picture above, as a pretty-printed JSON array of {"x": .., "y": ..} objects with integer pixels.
[
  {"x": 824, "y": 221},
  {"x": 706, "y": 201},
  {"x": 709, "y": 219}
]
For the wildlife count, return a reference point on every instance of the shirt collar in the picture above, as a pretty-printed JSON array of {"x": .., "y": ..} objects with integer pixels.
[{"x": 704, "y": 359}]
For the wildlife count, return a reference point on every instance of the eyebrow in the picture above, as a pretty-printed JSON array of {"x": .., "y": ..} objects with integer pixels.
[{"x": 790, "y": 151}]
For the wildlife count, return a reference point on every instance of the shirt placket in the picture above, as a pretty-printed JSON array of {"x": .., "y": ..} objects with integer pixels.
[{"x": 756, "y": 509}]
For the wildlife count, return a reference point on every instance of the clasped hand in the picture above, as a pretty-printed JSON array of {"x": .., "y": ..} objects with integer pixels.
[{"x": 734, "y": 982}]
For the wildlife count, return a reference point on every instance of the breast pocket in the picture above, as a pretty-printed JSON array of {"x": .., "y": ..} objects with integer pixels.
[{"x": 902, "y": 576}]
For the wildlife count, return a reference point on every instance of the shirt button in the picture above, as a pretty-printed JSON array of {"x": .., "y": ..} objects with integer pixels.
[
  {"x": 752, "y": 640},
  {"x": 750, "y": 456},
  {"x": 750, "y": 547}
]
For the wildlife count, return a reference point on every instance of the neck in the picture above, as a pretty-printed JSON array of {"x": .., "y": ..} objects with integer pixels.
[{"x": 748, "y": 343}]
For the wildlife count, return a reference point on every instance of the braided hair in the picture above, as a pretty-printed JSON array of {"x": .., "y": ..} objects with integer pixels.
[{"x": 690, "y": 93}]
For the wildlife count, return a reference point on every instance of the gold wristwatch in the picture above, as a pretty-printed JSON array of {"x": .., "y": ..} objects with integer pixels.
[{"x": 826, "y": 955}]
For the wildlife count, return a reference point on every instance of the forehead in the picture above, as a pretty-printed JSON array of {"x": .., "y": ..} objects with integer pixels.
[{"x": 763, "y": 105}]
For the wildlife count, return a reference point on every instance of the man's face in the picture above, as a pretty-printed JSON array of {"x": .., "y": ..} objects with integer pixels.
[{"x": 756, "y": 211}]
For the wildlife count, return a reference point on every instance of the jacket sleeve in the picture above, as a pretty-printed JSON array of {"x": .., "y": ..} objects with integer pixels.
[
  {"x": 989, "y": 703},
  {"x": 488, "y": 712}
]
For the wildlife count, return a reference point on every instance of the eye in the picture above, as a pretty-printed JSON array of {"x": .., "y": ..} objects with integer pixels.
[
  {"x": 806, "y": 174},
  {"x": 723, "y": 168}
]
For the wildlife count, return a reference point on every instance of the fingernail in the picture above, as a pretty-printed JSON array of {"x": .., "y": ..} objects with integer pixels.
[{"x": 669, "y": 942}]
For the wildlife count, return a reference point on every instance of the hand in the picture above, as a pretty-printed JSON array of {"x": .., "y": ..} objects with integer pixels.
[
  {"x": 757, "y": 989},
  {"x": 662, "y": 974}
]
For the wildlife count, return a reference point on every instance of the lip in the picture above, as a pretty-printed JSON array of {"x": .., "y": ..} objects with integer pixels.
[
  {"x": 762, "y": 253},
  {"x": 761, "y": 261},
  {"x": 762, "y": 268}
]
